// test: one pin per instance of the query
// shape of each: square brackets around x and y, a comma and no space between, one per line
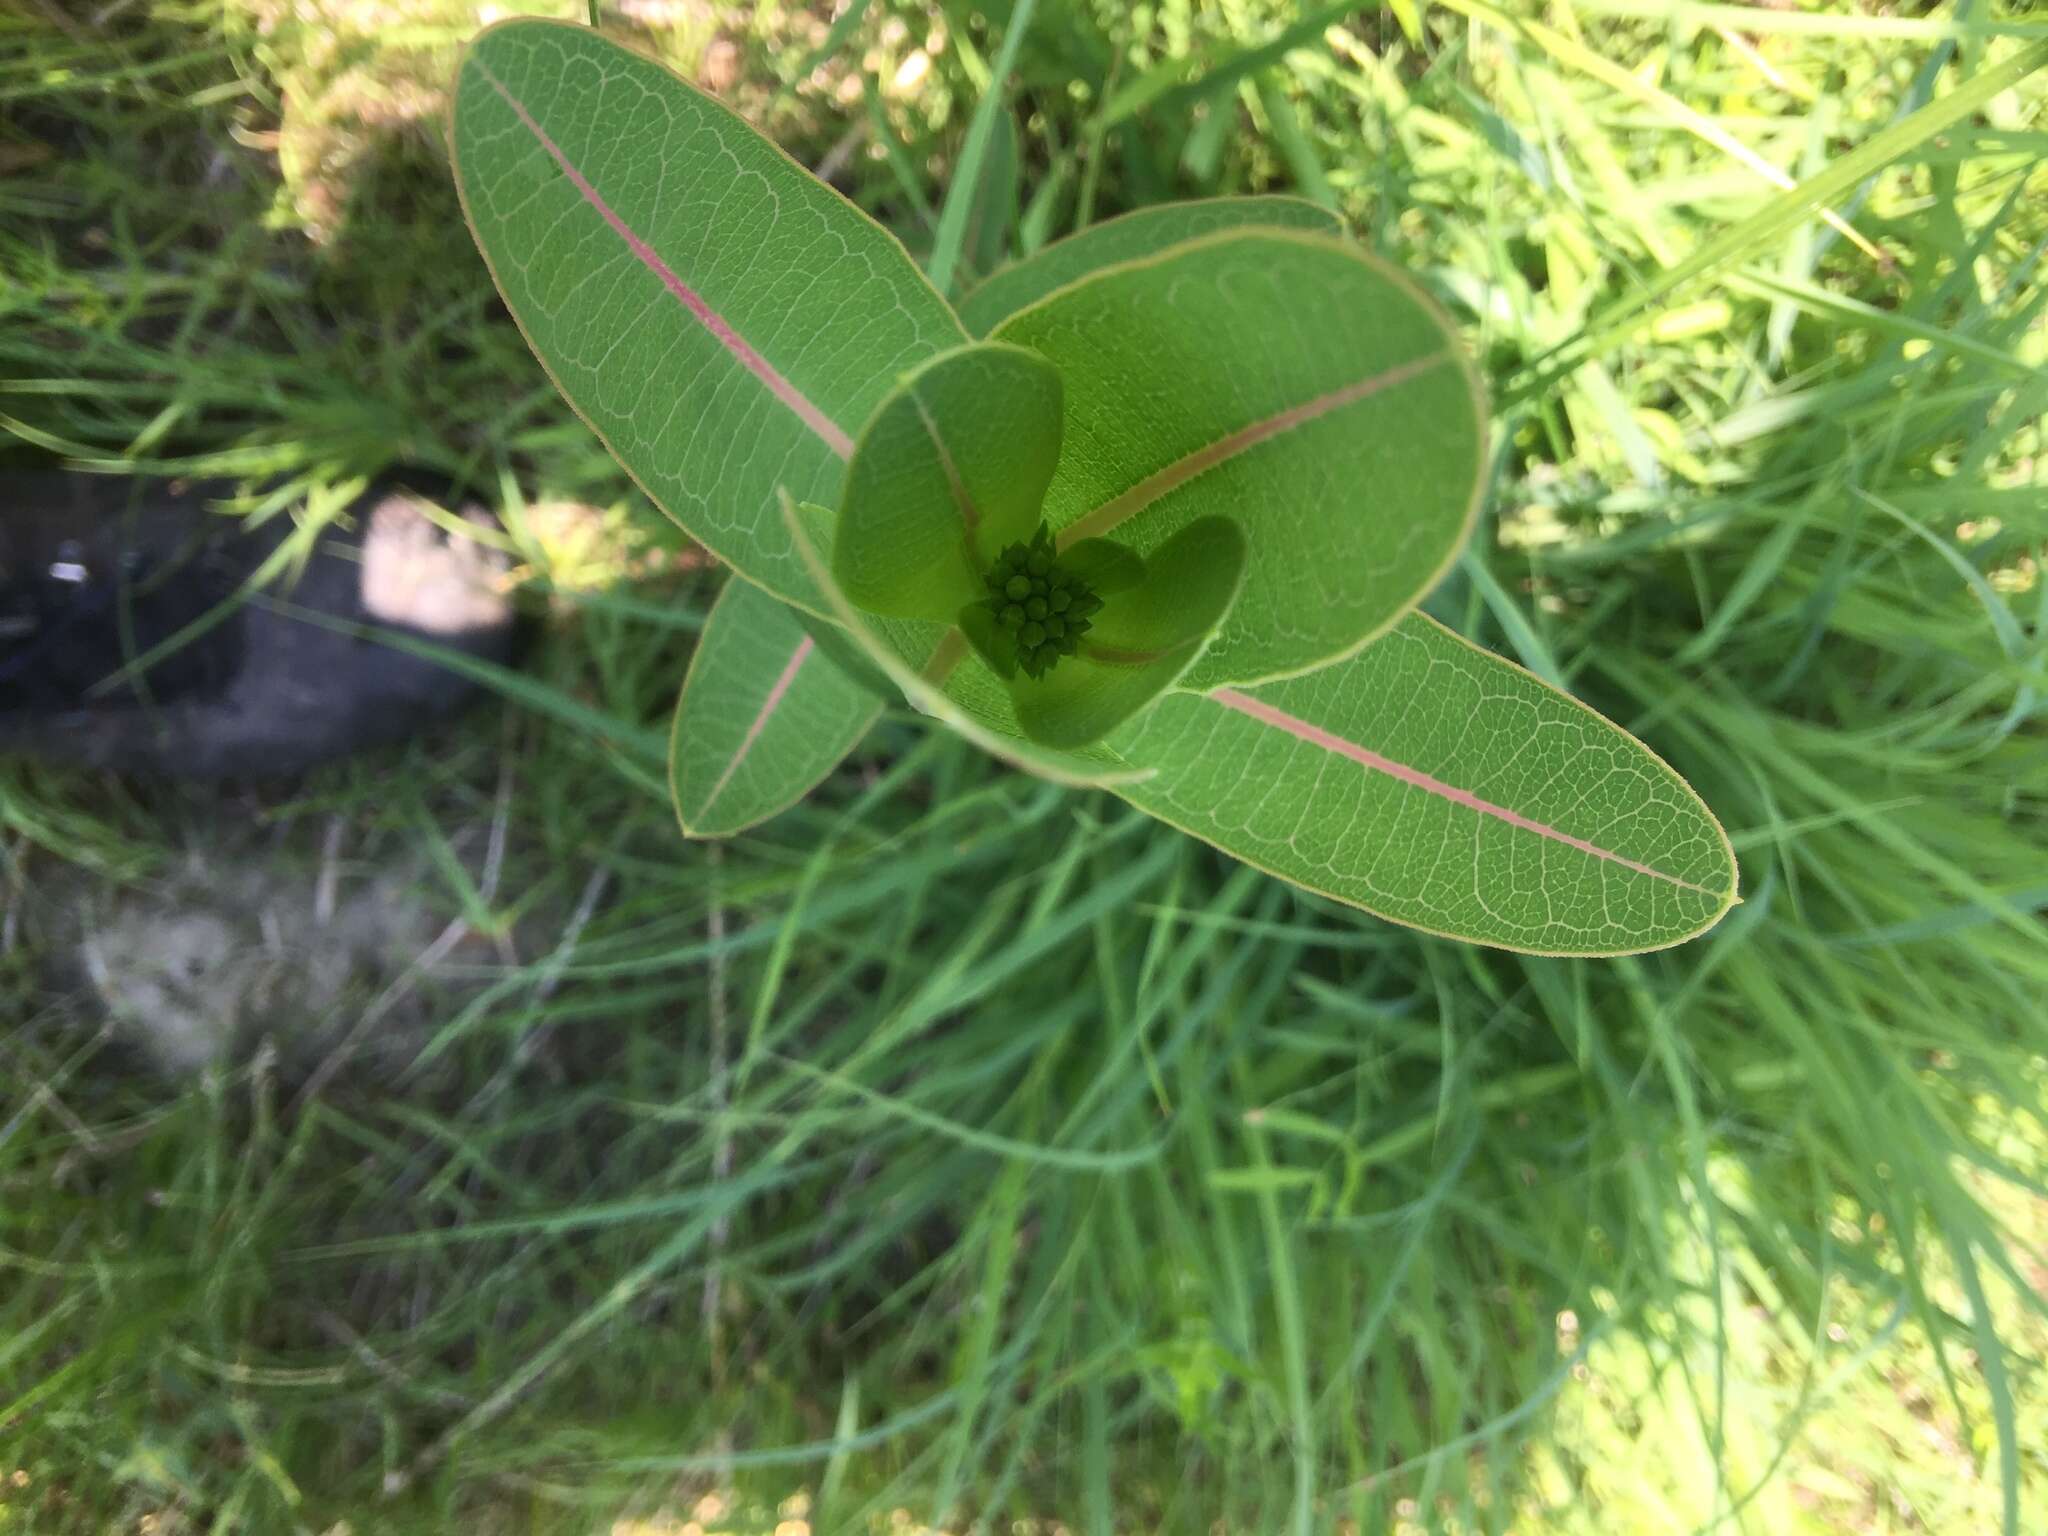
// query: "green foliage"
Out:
[1626,858]
[970,699]
[740,752]
[1134,236]
[716,377]
[1281,427]
[932,499]
[1037,609]
[959,1145]
[1288,381]
[1145,638]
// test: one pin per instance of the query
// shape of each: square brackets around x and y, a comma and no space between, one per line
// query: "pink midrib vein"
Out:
[1122,508]
[767,712]
[1140,496]
[1329,741]
[827,430]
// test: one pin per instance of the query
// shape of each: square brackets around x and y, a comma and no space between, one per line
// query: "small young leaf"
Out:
[1144,233]
[1142,640]
[1436,785]
[992,643]
[723,319]
[951,470]
[764,715]
[1107,567]
[910,654]
[1286,380]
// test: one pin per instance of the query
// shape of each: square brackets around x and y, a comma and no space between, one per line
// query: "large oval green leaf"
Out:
[764,715]
[1439,786]
[723,319]
[1128,238]
[1288,381]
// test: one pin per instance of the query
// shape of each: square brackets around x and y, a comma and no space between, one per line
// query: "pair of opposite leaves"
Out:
[721,318]
[942,519]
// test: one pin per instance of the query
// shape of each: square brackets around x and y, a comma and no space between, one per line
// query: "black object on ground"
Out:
[97,571]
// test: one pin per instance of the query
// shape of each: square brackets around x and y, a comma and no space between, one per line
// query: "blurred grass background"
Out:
[957,1151]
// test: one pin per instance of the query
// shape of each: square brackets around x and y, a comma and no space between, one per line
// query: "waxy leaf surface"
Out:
[729,326]
[917,656]
[1144,233]
[765,713]
[1435,784]
[1143,641]
[951,471]
[1290,382]
[724,320]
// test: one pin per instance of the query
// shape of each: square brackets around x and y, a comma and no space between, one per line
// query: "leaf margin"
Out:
[1338,229]
[930,699]
[452,140]
[734,584]
[1728,903]
[905,387]
[1458,358]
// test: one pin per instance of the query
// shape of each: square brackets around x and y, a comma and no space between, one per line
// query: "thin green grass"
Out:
[960,1146]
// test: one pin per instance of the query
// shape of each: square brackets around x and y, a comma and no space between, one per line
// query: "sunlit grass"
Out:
[958,1147]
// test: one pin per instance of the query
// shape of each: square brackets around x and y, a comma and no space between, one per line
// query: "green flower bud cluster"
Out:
[1043,609]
